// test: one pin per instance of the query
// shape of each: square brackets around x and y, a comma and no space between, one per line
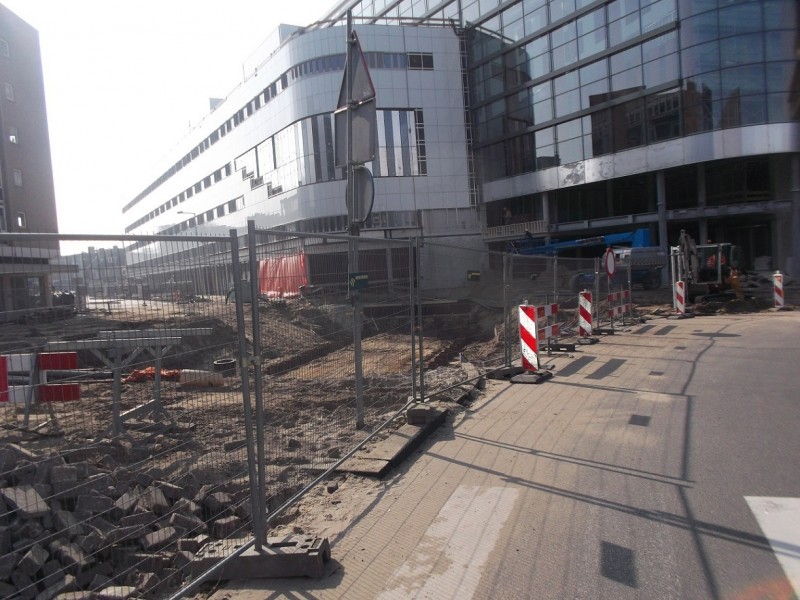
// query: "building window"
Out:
[22,222]
[419,61]
[9,91]
[13,135]
[17,178]
[4,48]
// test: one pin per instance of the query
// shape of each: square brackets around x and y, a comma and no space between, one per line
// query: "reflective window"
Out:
[535,20]
[545,149]
[661,70]
[597,134]
[780,14]
[699,29]
[623,61]
[620,8]
[593,72]
[519,110]
[700,59]
[781,44]
[660,46]
[740,18]
[742,80]
[623,29]
[658,14]
[742,49]
[565,55]
[627,81]
[694,7]
[566,82]
[628,125]
[563,34]
[663,116]
[515,30]
[780,76]
[541,96]
[567,103]
[591,21]
[594,93]
[561,8]
[591,43]
[780,108]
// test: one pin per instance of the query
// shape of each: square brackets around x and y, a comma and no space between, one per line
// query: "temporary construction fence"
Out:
[163,402]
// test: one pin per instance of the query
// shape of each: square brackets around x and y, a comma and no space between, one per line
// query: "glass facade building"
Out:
[595,115]
[580,117]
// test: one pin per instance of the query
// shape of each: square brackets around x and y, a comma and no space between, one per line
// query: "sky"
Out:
[124,82]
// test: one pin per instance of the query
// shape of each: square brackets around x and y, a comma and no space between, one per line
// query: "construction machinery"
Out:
[632,248]
[710,271]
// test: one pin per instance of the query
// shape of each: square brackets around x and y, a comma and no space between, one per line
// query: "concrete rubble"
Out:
[75,530]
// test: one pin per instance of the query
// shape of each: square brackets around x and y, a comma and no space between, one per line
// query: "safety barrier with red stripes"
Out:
[41,364]
[777,280]
[619,304]
[585,313]
[535,327]
[680,297]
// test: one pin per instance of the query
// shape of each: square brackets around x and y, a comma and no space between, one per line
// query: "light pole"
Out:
[194,214]
[194,220]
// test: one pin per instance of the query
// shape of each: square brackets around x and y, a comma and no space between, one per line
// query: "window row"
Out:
[323,64]
[580,37]
[303,153]
[651,119]
[191,191]
[645,66]
[652,62]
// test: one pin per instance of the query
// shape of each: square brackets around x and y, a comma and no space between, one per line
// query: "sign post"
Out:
[355,123]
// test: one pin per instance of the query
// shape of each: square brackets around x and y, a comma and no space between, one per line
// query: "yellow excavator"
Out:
[710,271]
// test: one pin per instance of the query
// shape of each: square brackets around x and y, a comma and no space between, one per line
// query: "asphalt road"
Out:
[661,463]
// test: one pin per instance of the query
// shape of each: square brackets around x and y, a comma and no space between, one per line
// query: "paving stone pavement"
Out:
[575,488]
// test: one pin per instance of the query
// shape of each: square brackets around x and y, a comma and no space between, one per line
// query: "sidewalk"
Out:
[575,488]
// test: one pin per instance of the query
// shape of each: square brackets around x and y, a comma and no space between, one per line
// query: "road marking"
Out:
[449,560]
[779,519]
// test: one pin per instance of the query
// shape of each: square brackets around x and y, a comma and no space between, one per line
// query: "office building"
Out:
[27,196]
[580,117]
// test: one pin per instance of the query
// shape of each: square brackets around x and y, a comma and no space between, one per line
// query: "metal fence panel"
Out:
[320,402]
[122,445]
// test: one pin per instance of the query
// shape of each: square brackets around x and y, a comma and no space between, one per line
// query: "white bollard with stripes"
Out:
[585,313]
[777,284]
[680,298]
[531,332]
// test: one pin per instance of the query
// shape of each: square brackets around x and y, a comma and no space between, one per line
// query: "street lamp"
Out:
[194,214]
[199,274]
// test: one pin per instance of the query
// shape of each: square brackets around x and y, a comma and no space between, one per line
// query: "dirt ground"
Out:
[307,361]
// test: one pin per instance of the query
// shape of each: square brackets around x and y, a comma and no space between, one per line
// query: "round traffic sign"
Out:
[608,262]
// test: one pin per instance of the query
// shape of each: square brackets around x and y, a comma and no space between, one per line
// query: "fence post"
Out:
[508,265]
[255,290]
[598,318]
[412,300]
[419,322]
[258,528]
[555,278]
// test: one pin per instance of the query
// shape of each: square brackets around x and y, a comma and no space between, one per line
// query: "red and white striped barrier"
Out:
[531,332]
[777,280]
[45,391]
[585,313]
[623,307]
[680,297]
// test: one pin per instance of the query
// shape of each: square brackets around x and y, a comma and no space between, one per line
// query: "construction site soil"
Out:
[295,339]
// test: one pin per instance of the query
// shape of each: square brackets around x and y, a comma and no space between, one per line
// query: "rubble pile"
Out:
[104,533]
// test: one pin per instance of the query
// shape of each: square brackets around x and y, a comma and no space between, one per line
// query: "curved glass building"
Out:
[579,117]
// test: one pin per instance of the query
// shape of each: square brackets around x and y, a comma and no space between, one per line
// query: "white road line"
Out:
[779,519]
[448,562]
